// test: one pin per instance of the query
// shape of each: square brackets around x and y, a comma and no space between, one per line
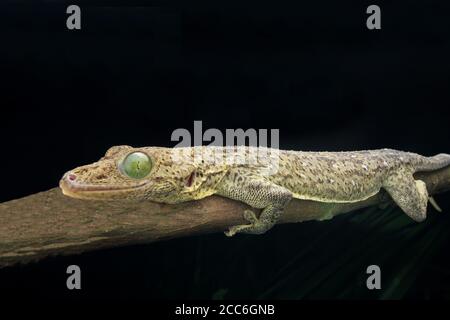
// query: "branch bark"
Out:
[48,223]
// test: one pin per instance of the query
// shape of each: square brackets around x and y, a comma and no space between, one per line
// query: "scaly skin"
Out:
[263,178]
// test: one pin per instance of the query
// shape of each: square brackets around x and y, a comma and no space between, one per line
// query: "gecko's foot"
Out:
[250,216]
[236,229]
[256,226]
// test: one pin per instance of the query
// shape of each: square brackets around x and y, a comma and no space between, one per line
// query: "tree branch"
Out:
[49,223]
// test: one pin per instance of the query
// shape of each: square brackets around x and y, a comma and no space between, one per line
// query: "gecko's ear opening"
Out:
[116,149]
[190,179]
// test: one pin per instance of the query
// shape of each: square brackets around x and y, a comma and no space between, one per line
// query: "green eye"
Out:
[137,165]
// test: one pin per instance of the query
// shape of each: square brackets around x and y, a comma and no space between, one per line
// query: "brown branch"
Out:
[49,223]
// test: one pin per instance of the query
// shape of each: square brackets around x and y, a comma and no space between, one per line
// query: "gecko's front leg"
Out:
[260,194]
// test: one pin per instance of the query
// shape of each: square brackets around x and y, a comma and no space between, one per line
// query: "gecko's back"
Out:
[338,176]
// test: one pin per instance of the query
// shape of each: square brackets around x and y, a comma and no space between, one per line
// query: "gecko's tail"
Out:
[436,162]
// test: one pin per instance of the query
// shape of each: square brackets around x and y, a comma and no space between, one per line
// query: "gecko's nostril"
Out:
[72,177]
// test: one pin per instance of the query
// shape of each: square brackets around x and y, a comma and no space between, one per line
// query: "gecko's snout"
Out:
[66,183]
[68,180]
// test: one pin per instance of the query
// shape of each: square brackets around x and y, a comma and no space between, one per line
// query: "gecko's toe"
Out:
[434,204]
[238,229]
[230,232]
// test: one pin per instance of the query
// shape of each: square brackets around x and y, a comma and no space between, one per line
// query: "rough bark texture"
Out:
[49,223]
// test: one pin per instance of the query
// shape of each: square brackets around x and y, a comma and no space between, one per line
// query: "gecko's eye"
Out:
[137,165]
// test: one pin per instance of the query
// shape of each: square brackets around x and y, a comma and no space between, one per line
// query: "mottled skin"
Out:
[263,178]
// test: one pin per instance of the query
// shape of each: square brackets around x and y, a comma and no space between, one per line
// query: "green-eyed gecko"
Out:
[263,178]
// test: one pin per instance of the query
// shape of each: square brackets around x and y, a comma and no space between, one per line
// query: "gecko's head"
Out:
[130,173]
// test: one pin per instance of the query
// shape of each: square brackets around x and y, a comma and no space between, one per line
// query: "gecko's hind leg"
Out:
[258,194]
[409,194]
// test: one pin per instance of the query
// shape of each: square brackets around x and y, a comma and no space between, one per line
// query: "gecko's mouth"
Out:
[78,190]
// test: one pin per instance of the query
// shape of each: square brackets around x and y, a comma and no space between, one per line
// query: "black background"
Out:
[138,70]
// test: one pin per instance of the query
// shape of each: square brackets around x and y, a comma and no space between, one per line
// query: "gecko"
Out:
[263,178]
